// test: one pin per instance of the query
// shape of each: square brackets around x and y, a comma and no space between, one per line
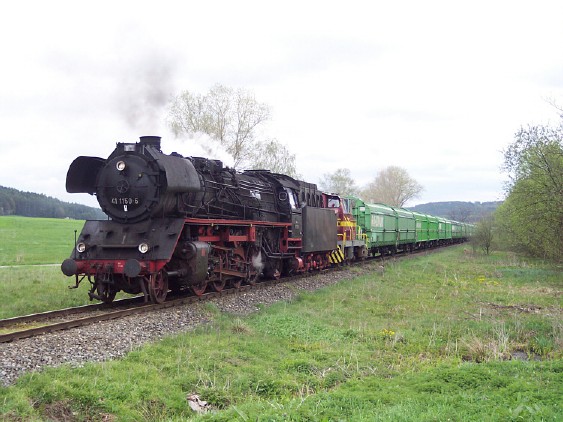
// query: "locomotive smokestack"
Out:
[153,141]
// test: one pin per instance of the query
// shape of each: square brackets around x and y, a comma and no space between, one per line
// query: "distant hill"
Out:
[470,212]
[27,204]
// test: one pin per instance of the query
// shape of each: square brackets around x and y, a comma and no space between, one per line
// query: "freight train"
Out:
[189,223]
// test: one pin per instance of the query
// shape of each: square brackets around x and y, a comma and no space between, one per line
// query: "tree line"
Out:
[27,204]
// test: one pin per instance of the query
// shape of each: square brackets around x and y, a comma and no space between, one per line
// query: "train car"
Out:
[351,245]
[178,223]
[385,229]
[458,232]
[448,231]
[422,230]
[468,231]
[433,231]
[441,230]
[406,229]
[378,224]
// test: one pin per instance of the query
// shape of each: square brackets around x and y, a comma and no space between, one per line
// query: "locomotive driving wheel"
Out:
[158,286]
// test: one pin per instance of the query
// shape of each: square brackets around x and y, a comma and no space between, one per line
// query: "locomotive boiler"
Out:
[177,223]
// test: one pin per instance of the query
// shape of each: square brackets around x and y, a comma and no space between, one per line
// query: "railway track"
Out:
[32,325]
[47,322]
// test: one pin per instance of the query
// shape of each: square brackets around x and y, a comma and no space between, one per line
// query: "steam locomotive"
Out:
[189,223]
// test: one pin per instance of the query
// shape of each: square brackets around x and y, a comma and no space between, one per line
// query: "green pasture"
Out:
[446,336]
[30,241]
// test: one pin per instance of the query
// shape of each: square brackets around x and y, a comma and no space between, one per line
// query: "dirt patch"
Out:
[59,411]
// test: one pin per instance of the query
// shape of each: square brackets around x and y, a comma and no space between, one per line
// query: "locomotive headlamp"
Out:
[143,247]
[81,247]
[120,165]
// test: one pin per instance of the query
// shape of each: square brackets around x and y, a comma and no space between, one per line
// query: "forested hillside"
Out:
[27,204]
[469,212]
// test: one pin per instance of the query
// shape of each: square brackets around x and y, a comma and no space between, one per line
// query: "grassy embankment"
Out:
[431,338]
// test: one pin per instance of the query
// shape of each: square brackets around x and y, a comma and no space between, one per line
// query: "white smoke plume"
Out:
[257,263]
[145,90]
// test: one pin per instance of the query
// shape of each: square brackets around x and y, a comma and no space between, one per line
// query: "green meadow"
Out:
[31,241]
[31,251]
[446,336]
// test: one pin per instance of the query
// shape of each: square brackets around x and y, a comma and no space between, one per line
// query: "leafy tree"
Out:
[231,118]
[274,156]
[339,182]
[531,217]
[392,186]
[483,236]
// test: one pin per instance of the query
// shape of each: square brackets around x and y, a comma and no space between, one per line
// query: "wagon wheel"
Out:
[236,282]
[158,286]
[199,288]
[105,292]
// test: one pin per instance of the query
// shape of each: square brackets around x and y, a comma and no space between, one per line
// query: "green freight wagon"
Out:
[432,231]
[406,228]
[441,230]
[468,230]
[448,231]
[386,229]
[457,232]
[377,223]
[421,229]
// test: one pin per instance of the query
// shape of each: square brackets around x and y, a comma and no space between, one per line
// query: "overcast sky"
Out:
[436,87]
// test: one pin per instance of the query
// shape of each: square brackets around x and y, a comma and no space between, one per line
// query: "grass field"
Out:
[30,241]
[448,336]
[31,251]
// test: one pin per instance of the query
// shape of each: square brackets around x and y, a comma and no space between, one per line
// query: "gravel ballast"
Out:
[112,339]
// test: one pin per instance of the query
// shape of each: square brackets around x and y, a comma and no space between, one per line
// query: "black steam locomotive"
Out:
[180,223]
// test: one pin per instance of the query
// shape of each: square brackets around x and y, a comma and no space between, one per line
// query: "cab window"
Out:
[333,202]
[292,197]
[346,206]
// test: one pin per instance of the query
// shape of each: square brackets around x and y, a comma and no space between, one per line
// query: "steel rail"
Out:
[80,322]
[42,316]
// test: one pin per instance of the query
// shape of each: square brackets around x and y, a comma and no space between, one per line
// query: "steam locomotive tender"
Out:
[179,223]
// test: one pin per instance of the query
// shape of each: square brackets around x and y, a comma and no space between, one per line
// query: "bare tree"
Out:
[460,213]
[340,182]
[392,186]
[274,156]
[231,118]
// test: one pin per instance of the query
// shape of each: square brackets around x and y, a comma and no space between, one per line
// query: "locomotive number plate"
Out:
[125,201]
